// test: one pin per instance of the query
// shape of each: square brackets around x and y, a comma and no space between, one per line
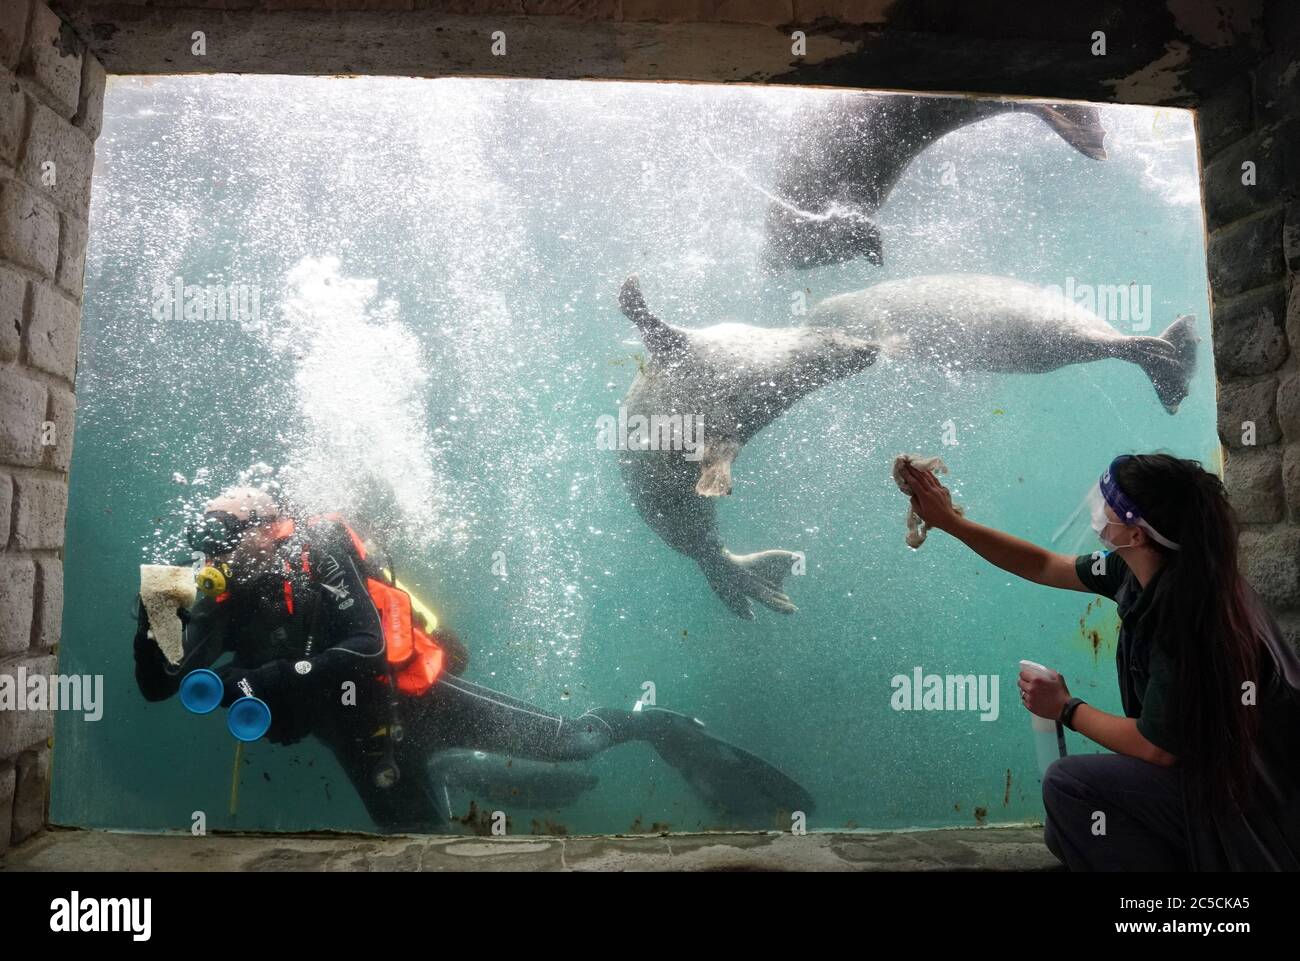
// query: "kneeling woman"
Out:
[1203,774]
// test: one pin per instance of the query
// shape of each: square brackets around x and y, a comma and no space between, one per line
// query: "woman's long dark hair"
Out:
[1205,622]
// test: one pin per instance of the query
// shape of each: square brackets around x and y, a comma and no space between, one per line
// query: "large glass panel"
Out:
[421,330]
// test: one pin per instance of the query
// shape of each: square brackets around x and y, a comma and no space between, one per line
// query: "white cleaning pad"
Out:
[163,589]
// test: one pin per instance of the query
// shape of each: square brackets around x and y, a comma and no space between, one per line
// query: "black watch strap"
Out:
[1067,712]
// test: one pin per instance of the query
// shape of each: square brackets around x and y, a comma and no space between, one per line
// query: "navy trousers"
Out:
[1108,812]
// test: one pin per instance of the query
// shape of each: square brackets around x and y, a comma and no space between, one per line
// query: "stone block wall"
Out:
[1250,153]
[51,94]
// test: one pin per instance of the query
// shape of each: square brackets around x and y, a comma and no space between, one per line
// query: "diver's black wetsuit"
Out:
[295,648]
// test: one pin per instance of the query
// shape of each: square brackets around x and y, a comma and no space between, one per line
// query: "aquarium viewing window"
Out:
[609,381]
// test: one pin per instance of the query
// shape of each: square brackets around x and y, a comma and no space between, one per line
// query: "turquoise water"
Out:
[437,264]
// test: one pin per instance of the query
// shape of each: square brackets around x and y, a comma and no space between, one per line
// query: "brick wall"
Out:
[51,94]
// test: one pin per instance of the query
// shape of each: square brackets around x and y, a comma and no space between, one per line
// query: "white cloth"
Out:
[916,528]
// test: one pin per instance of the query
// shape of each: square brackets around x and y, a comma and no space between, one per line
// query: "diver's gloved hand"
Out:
[141,623]
[264,682]
[157,677]
[290,722]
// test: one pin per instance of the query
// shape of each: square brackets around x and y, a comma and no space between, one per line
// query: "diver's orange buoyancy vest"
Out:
[415,657]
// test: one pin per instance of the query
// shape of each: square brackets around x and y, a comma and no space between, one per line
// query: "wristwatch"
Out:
[1067,712]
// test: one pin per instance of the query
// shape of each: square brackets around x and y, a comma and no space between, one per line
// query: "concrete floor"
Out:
[967,849]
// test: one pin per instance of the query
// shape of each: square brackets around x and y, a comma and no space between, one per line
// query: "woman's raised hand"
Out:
[930,499]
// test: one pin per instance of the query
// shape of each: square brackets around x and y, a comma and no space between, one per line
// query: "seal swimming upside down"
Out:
[978,322]
[736,379]
[844,160]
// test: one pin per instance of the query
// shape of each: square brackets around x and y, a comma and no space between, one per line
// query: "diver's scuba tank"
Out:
[385,772]
[214,579]
[383,740]
[386,737]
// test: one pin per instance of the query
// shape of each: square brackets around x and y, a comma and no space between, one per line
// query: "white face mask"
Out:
[1100,522]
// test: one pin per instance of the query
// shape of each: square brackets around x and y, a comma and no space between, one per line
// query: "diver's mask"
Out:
[216,534]
[1108,493]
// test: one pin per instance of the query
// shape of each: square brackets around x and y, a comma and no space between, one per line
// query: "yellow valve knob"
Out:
[211,581]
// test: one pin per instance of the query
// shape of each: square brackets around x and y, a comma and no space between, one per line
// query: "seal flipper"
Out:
[1169,360]
[659,337]
[715,469]
[1078,124]
[738,578]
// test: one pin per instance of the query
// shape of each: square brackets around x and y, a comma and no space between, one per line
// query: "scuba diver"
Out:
[322,632]
[1203,772]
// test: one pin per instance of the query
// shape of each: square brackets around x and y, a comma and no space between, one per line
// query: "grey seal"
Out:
[845,158]
[735,379]
[984,323]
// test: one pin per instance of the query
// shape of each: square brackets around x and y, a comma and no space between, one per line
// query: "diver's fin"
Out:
[659,337]
[438,791]
[732,780]
[738,578]
[1078,124]
[1169,360]
[715,469]
[456,777]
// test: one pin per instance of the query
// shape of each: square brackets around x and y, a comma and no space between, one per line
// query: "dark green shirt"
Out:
[1146,672]
[1264,835]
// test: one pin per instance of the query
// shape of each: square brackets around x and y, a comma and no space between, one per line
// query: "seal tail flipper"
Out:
[739,578]
[1169,360]
[658,336]
[1078,124]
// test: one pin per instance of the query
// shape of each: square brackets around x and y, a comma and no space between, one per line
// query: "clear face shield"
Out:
[1096,504]
[1108,494]
[1090,519]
